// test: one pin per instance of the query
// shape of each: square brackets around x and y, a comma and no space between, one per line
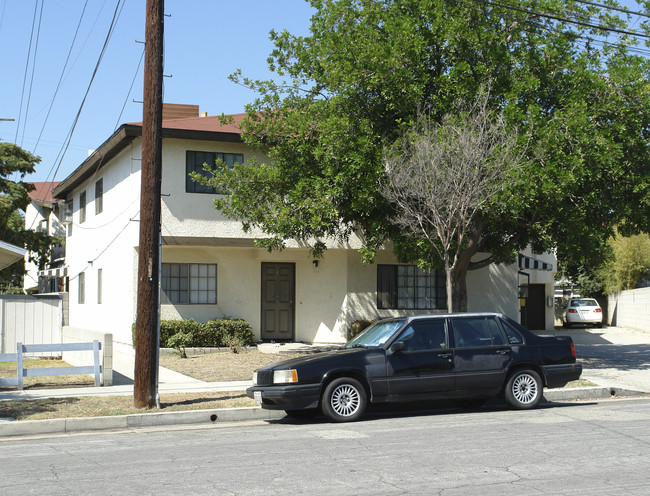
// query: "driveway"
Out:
[612,356]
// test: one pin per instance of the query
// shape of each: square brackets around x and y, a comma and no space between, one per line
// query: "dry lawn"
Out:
[101,406]
[222,366]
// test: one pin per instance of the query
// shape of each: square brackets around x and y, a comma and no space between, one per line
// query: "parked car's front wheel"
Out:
[524,389]
[344,400]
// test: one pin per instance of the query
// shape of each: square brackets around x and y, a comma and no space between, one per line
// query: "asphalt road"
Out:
[588,448]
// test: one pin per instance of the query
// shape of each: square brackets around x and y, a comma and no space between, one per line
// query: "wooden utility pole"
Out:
[146,341]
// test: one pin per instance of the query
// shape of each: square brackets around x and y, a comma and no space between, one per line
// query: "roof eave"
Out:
[122,137]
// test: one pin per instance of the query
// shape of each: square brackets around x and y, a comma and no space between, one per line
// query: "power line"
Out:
[564,20]
[31,82]
[58,86]
[29,53]
[76,119]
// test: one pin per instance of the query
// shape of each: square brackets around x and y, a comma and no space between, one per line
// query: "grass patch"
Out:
[580,383]
[102,406]
[8,369]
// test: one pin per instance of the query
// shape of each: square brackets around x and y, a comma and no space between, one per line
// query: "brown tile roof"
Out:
[211,124]
[43,191]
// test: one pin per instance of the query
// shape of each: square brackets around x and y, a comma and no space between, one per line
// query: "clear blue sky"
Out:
[205,41]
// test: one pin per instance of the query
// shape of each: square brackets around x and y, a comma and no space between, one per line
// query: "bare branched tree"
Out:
[440,174]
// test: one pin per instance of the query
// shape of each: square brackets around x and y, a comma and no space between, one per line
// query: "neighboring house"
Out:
[211,268]
[45,214]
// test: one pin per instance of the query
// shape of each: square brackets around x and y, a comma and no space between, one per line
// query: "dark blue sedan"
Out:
[469,357]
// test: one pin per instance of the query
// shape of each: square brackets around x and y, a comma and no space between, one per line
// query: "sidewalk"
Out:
[617,359]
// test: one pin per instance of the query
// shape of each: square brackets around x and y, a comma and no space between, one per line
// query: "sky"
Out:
[205,42]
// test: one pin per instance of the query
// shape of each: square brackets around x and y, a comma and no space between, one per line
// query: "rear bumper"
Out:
[298,397]
[560,375]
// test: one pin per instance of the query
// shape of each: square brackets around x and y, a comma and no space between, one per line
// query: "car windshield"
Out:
[375,335]
[584,303]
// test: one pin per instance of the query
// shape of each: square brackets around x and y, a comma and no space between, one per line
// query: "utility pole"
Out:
[146,340]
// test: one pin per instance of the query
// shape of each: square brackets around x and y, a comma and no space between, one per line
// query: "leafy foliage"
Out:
[359,79]
[629,264]
[15,164]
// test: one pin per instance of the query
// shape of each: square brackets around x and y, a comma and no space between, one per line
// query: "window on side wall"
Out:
[189,284]
[99,196]
[82,288]
[194,163]
[82,207]
[407,287]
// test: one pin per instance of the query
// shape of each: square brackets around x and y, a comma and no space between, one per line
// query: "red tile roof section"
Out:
[43,191]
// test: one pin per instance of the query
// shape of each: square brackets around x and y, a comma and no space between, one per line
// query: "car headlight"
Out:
[255,378]
[285,376]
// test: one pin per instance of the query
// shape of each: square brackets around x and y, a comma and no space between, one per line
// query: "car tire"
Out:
[566,325]
[344,400]
[307,414]
[524,390]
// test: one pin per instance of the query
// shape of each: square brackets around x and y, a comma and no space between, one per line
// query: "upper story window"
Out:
[99,196]
[194,163]
[82,207]
[408,287]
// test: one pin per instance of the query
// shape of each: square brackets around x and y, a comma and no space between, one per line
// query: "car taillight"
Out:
[572,310]
[597,310]
[573,350]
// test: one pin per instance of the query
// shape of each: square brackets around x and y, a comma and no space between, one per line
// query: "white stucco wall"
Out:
[107,241]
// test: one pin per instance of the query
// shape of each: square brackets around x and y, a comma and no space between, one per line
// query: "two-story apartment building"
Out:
[211,268]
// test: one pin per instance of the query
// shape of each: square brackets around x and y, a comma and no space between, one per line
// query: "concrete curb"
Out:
[134,421]
[215,416]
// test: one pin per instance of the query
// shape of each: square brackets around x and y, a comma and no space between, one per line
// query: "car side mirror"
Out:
[397,347]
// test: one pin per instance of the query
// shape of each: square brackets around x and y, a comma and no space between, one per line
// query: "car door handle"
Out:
[503,352]
[445,355]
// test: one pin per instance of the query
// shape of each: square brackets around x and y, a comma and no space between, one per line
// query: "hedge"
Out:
[214,333]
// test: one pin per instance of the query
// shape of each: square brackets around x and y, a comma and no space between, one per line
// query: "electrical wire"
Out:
[76,119]
[58,86]
[31,82]
[29,53]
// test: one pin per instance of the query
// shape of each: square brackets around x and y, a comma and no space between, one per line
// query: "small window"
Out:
[495,330]
[513,336]
[82,207]
[194,163]
[82,288]
[99,196]
[99,286]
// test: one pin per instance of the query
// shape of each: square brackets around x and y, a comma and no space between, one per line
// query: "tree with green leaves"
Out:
[629,263]
[347,92]
[15,164]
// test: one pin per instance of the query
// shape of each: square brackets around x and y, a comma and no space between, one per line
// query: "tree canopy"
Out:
[348,91]
[15,164]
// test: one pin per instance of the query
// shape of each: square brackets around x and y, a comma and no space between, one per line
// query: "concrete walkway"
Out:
[617,359]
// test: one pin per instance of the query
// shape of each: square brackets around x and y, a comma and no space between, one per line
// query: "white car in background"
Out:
[583,311]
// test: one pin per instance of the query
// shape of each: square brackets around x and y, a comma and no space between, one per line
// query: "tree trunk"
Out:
[459,288]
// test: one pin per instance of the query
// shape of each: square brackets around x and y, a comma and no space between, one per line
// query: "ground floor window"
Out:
[189,284]
[407,287]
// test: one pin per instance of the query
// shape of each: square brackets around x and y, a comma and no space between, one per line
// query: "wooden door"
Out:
[278,297]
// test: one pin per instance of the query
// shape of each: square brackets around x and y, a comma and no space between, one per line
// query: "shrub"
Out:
[214,333]
[356,327]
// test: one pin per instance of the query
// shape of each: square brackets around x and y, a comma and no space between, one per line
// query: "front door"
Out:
[278,296]
[535,307]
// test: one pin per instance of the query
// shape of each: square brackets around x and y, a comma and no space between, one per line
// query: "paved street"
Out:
[589,448]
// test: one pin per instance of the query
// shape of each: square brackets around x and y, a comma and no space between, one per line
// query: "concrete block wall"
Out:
[630,309]
[78,358]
